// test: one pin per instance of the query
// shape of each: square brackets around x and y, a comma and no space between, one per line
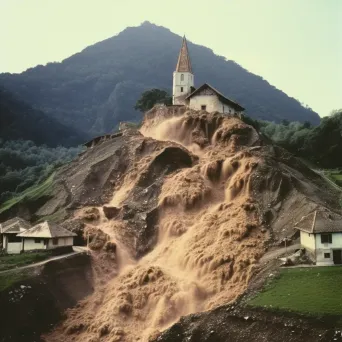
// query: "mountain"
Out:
[19,121]
[176,225]
[97,88]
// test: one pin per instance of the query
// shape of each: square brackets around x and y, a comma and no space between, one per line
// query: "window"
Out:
[326,238]
[181,89]
[36,240]
[55,241]
[203,107]
[326,255]
[13,238]
[182,77]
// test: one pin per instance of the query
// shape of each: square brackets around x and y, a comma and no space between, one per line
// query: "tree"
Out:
[151,97]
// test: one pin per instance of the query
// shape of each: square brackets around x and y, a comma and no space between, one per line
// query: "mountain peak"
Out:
[97,88]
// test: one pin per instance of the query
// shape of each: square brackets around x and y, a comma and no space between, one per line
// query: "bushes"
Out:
[23,164]
[322,145]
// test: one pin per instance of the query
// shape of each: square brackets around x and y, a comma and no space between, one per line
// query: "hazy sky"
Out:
[294,44]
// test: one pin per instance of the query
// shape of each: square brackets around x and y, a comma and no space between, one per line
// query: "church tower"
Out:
[183,78]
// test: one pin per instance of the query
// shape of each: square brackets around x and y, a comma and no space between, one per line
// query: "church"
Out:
[205,97]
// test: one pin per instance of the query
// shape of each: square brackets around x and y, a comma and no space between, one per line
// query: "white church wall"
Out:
[212,103]
[182,83]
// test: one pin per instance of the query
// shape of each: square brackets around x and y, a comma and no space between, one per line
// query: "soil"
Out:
[32,306]
[178,216]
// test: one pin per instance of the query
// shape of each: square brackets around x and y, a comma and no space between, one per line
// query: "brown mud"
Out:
[184,209]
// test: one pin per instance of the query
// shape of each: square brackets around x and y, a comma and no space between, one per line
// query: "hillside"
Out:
[19,121]
[178,216]
[97,88]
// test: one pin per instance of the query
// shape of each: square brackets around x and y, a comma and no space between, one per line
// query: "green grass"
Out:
[314,291]
[31,194]
[8,262]
[55,217]
[9,279]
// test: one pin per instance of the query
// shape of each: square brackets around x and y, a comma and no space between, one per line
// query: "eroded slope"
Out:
[187,206]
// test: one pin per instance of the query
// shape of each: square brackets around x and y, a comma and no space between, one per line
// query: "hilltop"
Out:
[97,88]
[19,121]
[178,215]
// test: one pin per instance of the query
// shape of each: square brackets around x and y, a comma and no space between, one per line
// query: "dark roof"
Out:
[321,220]
[101,138]
[46,230]
[184,63]
[222,98]
[14,225]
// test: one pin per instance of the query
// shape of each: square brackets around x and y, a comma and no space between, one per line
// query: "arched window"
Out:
[182,77]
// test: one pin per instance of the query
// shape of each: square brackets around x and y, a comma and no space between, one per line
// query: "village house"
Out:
[9,230]
[46,235]
[321,236]
[205,97]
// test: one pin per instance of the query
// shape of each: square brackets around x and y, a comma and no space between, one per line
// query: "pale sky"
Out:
[296,45]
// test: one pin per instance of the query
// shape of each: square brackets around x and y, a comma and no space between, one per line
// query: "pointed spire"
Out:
[184,63]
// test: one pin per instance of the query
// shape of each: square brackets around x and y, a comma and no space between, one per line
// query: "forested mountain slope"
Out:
[19,121]
[97,88]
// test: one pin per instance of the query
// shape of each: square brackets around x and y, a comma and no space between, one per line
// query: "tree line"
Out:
[23,164]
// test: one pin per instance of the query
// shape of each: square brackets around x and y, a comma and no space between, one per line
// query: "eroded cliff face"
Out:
[178,216]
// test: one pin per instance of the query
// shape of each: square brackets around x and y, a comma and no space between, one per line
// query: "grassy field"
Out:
[8,262]
[31,194]
[315,290]
[9,279]
[335,176]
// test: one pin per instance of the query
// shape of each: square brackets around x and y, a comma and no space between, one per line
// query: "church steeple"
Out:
[184,62]
[183,78]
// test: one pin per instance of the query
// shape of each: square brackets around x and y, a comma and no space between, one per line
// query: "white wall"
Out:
[65,241]
[212,102]
[30,244]
[178,83]
[321,248]
[11,247]
[307,240]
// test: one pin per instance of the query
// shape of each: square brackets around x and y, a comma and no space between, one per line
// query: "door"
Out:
[337,255]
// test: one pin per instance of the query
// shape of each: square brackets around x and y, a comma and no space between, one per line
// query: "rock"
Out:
[111,212]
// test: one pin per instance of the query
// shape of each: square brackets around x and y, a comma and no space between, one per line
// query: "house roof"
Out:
[184,63]
[14,226]
[222,98]
[321,220]
[46,230]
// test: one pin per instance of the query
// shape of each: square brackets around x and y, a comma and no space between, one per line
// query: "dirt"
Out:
[33,305]
[178,216]
[235,324]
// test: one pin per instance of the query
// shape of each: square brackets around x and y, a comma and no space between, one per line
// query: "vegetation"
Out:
[335,176]
[8,262]
[18,120]
[23,164]
[92,91]
[151,97]
[321,145]
[9,279]
[310,290]
[31,194]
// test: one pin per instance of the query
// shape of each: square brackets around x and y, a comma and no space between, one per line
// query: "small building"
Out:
[321,236]
[46,235]
[9,230]
[205,97]
[209,99]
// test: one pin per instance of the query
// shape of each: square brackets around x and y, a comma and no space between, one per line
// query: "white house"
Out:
[209,99]
[46,235]
[9,231]
[205,97]
[321,235]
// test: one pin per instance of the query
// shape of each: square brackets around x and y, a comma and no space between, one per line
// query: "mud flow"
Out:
[184,228]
